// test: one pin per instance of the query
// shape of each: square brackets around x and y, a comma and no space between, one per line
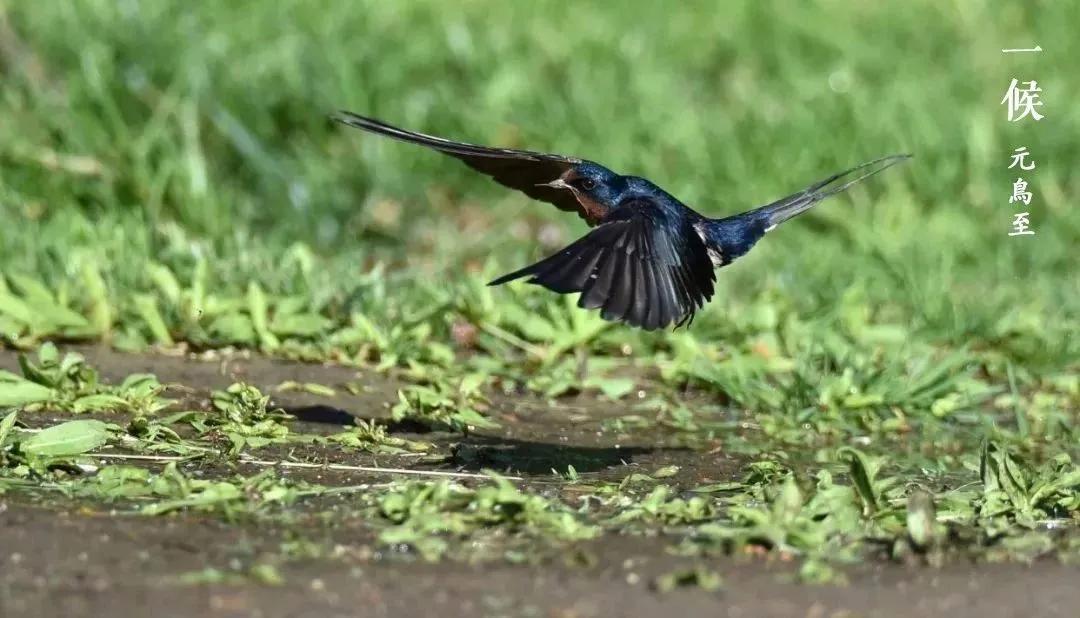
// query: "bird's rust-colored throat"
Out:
[594,211]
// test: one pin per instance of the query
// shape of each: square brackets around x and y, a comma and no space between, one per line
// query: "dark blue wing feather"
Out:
[635,267]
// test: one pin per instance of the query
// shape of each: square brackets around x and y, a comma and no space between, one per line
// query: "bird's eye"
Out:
[588,184]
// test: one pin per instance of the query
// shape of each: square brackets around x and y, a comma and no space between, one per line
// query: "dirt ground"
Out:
[65,559]
[70,564]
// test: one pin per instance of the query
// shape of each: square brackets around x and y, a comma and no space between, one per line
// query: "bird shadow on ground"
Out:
[321,415]
[524,456]
[536,454]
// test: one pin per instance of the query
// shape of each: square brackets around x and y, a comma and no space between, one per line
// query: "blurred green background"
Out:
[194,136]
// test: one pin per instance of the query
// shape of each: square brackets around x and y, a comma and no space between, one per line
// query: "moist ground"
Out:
[72,558]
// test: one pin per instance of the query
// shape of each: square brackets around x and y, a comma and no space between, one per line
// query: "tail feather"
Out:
[785,208]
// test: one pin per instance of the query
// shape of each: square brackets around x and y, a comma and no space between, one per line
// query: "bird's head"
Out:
[591,182]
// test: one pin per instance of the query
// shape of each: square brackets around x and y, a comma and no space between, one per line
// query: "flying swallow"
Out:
[650,260]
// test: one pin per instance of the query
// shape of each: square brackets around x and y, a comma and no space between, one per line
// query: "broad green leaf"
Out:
[258,310]
[33,291]
[665,472]
[308,387]
[119,481]
[100,402]
[788,502]
[612,388]
[210,495]
[16,391]
[140,382]
[48,354]
[101,313]
[66,439]
[862,477]
[471,383]
[14,308]
[147,307]
[44,304]
[5,427]
[921,518]
[290,305]
[299,325]
[718,487]
[10,328]
[165,281]
[233,328]
[473,418]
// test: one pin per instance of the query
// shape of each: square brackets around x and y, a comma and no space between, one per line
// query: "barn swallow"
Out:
[651,260]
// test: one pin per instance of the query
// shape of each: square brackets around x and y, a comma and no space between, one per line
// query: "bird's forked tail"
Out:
[785,208]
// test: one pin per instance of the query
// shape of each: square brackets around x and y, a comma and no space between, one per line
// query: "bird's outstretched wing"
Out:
[633,267]
[518,169]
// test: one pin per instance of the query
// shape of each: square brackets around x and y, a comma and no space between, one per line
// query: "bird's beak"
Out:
[558,183]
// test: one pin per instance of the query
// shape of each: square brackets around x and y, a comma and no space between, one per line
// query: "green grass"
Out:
[206,135]
[169,178]
[954,494]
